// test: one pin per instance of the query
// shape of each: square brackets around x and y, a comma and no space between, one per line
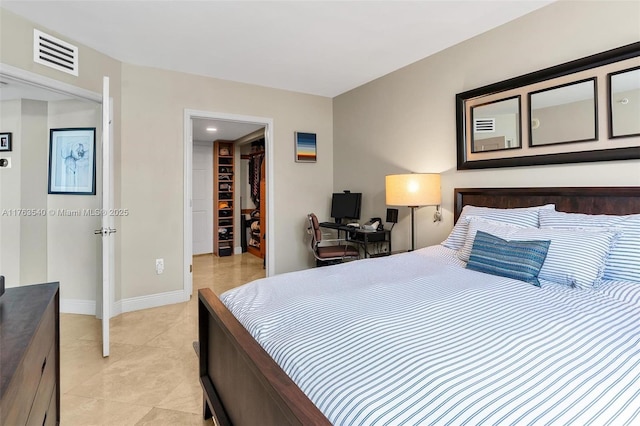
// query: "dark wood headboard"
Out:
[591,200]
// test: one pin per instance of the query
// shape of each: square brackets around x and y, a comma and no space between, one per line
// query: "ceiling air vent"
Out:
[55,53]
[484,125]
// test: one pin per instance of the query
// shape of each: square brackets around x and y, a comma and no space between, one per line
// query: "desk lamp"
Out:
[413,190]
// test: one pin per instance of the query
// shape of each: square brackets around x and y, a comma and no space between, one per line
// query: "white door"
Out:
[108,214]
[202,195]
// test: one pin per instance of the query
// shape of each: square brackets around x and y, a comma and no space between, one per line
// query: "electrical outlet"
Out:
[159,266]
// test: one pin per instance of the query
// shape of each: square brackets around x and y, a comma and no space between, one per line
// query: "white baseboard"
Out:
[151,301]
[77,306]
[88,307]
[237,250]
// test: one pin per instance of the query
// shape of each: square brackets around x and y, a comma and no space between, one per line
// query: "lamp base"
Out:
[413,227]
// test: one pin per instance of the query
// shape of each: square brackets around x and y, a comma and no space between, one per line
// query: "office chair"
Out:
[329,254]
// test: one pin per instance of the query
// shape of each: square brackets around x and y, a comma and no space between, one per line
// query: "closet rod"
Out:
[249,156]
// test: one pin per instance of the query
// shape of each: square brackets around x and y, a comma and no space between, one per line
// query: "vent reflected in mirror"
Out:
[496,125]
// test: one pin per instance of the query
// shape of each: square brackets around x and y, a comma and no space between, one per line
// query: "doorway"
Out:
[231,121]
[59,243]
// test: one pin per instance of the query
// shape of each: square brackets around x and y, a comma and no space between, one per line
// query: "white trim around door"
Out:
[48,83]
[189,115]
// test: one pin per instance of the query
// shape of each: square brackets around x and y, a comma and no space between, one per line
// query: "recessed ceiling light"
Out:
[211,129]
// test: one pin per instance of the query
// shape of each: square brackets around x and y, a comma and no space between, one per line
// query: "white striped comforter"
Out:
[417,339]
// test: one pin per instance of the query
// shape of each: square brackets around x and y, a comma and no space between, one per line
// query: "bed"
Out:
[415,340]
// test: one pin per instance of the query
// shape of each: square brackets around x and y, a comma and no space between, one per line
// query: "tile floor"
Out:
[151,376]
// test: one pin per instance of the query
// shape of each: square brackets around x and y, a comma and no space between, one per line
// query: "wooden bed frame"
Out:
[243,386]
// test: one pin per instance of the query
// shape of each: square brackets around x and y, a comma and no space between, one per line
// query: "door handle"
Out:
[104,231]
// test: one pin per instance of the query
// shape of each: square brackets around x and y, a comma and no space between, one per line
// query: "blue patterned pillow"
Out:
[499,229]
[520,260]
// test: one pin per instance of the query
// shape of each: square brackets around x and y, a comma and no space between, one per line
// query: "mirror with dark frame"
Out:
[538,149]
[624,103]
[496,125]
[563,114]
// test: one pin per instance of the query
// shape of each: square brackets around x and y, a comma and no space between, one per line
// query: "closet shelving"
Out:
[223,197]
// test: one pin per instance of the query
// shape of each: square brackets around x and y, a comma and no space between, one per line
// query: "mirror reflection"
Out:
[563,114]
[624,103]
[496,125]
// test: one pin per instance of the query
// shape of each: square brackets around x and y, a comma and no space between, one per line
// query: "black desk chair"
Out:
[329,254]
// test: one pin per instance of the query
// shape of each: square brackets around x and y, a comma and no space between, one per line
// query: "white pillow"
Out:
[477,223]
[624,260]
[525,217]
[575,257]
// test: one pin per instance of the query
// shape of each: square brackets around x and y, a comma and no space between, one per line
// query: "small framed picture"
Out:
[306,150]
[72,161]
[5,141]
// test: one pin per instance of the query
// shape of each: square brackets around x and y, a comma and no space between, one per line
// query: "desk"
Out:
[363,238]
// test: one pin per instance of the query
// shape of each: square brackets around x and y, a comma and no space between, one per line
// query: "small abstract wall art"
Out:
[306,148]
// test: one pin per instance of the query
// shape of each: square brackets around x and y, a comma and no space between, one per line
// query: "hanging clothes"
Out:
[255,165]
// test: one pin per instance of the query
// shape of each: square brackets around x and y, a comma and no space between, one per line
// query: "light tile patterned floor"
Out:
[151,376]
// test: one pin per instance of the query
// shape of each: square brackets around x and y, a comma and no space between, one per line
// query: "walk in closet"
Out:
[254,201]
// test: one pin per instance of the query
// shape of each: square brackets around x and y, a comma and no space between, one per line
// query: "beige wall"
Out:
[10,121]
[402,122]
[23,250]
[569,122]
[75,253]
[625,116]
[405,121]
[33,139]
[16,50]
[153,103]
[45,246]
[148,133]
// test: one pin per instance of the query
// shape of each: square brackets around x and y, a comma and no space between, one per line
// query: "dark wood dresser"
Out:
[30,355]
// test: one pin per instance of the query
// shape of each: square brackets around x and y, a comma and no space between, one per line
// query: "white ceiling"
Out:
[318,47]
[225,130]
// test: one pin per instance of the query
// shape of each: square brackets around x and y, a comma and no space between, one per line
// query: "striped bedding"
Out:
[624,291]
[416,339]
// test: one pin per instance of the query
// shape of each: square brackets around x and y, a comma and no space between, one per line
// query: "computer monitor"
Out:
[345,205]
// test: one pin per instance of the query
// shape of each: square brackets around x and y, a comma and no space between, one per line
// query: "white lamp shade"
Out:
[415,189]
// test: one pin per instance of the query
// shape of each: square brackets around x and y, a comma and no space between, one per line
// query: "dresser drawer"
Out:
[51,418]
[38,413]
[19,398]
